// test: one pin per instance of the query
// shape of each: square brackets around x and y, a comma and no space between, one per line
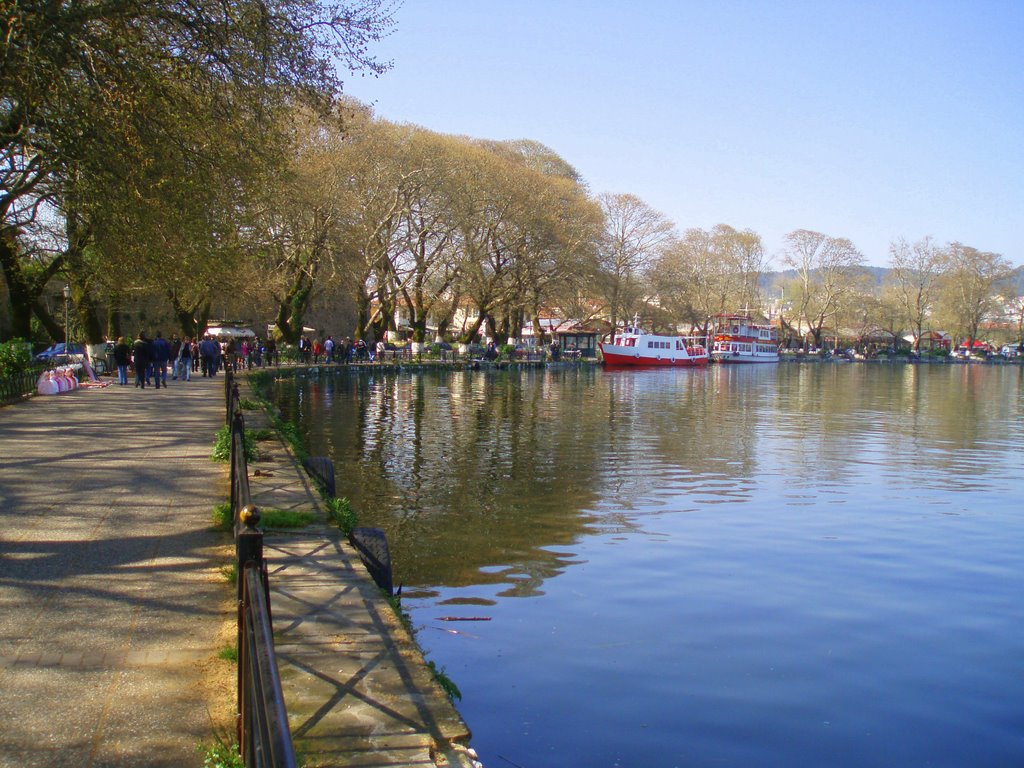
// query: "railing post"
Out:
[238,465]
[262,726]
[248,550]
[229,388]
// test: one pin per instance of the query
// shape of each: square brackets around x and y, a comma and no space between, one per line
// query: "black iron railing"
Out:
[20,384]
[263,735]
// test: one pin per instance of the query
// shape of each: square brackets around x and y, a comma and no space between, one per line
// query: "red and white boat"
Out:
[741,339]
[635,347]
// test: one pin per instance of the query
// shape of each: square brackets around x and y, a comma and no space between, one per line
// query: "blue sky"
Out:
[865,120]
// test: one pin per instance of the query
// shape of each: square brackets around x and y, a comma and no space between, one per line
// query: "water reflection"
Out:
[779,565]
[489,477]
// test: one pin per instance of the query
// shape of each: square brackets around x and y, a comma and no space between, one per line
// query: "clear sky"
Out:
[860,119]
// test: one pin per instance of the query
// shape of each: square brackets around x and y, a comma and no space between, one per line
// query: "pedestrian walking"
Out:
[209,351]
[184,359]
[175,350]
[140,358]
[160,354]
[122,357]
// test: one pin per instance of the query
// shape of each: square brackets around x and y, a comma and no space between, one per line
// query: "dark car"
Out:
[57,350]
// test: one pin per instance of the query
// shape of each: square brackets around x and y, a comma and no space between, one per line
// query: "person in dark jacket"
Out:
[122,356]
[140,357]
[160,353]
[210,352]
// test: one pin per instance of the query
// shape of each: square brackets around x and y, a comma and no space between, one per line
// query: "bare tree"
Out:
[634,235]
[915,274]
[826,269]
[706,273]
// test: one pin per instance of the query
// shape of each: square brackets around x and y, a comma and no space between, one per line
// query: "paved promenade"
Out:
[110,596]
[113,608]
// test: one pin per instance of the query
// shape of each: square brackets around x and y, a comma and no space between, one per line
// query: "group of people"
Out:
[252,353]
[330,351]
[150,359]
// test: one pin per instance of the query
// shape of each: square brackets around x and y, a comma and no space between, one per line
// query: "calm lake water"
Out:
[781,565]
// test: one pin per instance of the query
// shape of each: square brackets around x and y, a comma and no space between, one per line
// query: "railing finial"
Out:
[249,515]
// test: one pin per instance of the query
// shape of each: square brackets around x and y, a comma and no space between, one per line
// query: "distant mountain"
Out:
[879,274]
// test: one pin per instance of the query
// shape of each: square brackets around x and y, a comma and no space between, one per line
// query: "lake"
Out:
[802,564]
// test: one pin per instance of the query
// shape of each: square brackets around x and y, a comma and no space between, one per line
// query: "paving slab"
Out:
[111,600]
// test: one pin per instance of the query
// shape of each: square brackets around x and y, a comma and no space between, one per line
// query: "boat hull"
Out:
[727,358]
[630,356]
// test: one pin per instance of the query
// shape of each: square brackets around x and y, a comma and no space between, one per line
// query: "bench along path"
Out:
[356,687]
[110,595]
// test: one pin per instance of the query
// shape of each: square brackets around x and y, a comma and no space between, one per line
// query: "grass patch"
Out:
[230,573]
[222,445]
[250,405]
[289,431]
[228,653]
[447,684]
[286,518]
[395,601]
[341,514]
[223,518]
[221,754]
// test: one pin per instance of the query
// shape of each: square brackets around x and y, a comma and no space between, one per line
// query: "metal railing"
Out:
[263,735]
[19,385]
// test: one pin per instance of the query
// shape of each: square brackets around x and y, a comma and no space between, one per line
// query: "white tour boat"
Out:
[740,339]
[635,347]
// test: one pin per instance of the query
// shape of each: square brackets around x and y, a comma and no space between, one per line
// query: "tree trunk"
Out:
[442,328]
[19,290]
[52,327]
[419,330]
[292,309]
[362,315]
[88,312]
[113,322]
[186,316]
[467,336]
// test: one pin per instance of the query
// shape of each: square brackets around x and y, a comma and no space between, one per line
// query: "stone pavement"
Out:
[113,607]
[111,601]
[357,689]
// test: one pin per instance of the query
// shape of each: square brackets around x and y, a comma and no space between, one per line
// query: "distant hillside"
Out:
[768,279]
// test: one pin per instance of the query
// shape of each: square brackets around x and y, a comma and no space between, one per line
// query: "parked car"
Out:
[57,350]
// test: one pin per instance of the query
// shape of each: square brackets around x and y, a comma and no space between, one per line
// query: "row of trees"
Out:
[953,287]
[133,134]
[166,158]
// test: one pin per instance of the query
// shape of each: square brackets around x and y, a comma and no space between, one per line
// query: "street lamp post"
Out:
[67,300]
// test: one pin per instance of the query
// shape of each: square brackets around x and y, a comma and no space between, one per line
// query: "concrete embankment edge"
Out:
[357,688]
